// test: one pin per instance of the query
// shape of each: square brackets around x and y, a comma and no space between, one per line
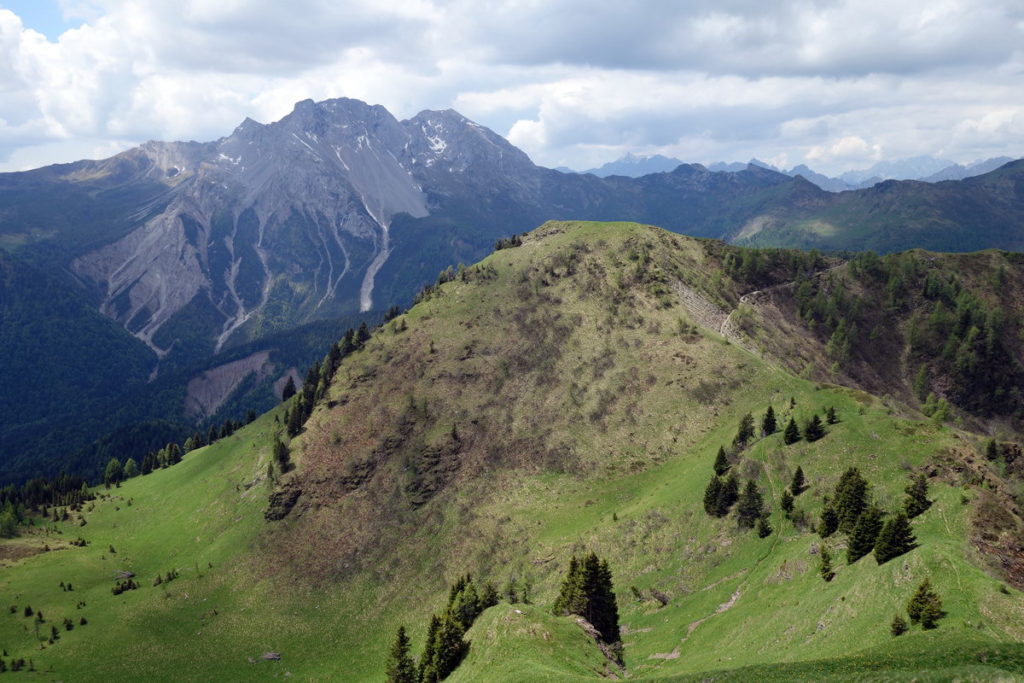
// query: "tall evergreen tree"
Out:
[925,603]
[764,527]
[745,431]
[792,433]
[895,539]
[362,335]
[851,497]
[721,462]
[289,389]
[280,455]
[768,423]
[991,450]
[401,668]
[427,659]
[917,496]
[814,429]
[865,533]
[825,568]
[787,502]
[798,484]
[728,494]
[711,496]
[829,523]
[588,592]
[750,506]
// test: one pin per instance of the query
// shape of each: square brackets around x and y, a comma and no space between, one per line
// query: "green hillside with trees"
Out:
[582,457]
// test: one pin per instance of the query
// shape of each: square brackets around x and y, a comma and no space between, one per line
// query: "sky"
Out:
[837,85]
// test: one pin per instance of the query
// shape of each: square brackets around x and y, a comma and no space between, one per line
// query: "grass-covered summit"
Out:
[566,395]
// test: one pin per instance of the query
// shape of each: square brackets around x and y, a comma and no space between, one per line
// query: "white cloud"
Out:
[572,82]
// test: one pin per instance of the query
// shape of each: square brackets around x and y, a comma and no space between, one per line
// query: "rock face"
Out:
[282,223]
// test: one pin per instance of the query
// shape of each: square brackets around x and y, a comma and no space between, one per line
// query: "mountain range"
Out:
[924,168]
[190,252]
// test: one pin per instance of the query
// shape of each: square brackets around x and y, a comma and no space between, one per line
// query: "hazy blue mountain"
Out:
[634,166]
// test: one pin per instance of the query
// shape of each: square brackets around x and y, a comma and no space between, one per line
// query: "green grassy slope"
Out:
[587,413]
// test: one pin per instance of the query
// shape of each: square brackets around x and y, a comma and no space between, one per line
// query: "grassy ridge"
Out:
[586,418]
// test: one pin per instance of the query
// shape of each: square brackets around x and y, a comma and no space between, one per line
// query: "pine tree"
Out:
[728,495]
[829,523]
[401,668]
[865,533]
[895,539]
[711,495]
[787,502]
[991,450]
[898,626]
[289,390]
[814,430]
[588,592]
[362,335]
[764,527]
[280,455]
[750,506]
[447,649]
[925,604]
[851,497]
[825,569]
[745,431]
[427,659]
[830,416]
[917,496]
[798,483]
[768,423]
[792,433]
[721,462]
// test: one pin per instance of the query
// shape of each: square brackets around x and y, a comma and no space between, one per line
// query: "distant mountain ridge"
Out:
[339,207]
[924,168]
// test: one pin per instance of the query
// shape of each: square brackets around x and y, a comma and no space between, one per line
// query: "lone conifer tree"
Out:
[750,506]
[830,416]
[898,626]
[798,484]
[768,423]
[917,496]
[792,433]
[826,565]
[786,503]
[711,495]
[764,527]
[401,668]
[814,429]
[991,450]
[721,462]
[745,431]
[865,533]
[925,604]
[289,390]
[895,538]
